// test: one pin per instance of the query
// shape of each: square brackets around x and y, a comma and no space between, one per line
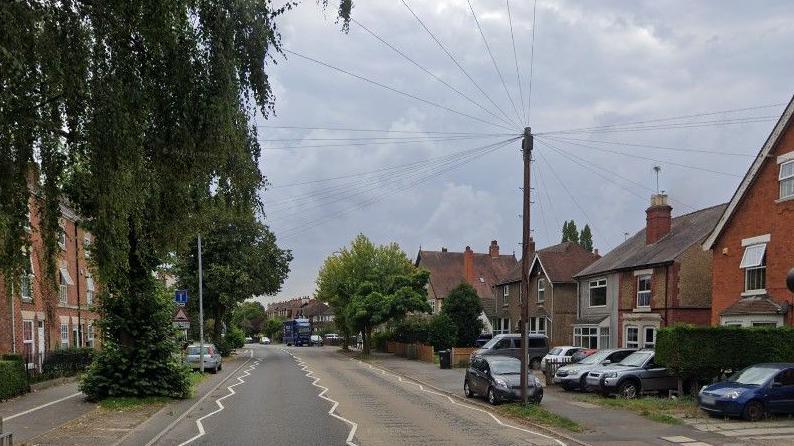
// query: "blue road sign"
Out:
[180,297]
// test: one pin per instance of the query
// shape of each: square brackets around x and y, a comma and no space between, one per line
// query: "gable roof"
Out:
[559,262]
[447,272]
[685,231]
[752,173]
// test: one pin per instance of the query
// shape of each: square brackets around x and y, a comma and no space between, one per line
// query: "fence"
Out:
[418,351]
[7,438]
[552,365]
[460,356]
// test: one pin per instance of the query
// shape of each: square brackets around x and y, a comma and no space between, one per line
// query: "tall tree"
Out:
[569,232]
[463,306]
[250,317]
[565,231]
[586,238]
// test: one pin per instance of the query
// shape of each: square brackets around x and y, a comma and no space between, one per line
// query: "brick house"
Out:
[42,315]
[552,291]
[753,241]
[480,270]
[320,315]
[289,309]
[658,277]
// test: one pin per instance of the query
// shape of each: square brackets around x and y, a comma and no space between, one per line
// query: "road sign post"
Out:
[180,297]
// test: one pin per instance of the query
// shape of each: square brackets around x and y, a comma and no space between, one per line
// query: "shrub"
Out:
[463,306]
[709,352]
[235,338]
[379,340]
[443,332]
[411,329]
[12,357]
[68,362]
[12,379]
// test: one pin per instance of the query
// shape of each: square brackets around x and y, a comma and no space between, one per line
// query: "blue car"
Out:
[752,393]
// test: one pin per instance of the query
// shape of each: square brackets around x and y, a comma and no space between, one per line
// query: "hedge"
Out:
[709,352]
[67,362]
[12,379]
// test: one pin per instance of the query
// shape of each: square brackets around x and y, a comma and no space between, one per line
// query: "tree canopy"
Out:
[463,306]
[583,238]
[250,317]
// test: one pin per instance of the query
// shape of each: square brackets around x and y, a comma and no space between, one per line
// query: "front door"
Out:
[40,339]
[780,396]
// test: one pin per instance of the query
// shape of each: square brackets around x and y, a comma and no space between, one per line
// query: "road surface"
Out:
[276,403]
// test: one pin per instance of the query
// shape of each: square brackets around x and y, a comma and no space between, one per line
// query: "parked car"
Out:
[212,359]
[510,345]
[483,339]
[574,376]
[559,354]
[498,378]
[333,339]
[581,354]
[264,340]
[249,339]
[316,340]
[752,392]
[635,374]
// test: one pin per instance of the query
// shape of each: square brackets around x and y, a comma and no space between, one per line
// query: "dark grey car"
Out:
[573,376]
[637,373]
[510,345]
[498,378]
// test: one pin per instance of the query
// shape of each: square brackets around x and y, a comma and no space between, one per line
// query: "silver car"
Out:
[212,359]
[574,376]
[635,374]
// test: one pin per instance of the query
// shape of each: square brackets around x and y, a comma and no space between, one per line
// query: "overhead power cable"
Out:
[515,58]
[386,138]
[531,62]
[493,60]
[430,73]
[460,67]
[374,143]
[394,90]
[429,132]
[677,125]
[650,146]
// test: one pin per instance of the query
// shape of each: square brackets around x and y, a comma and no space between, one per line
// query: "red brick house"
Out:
[41,315]
[753,241]
[289,309]
[480,270]
[656,278]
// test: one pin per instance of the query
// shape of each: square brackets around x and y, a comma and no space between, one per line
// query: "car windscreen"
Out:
[490,344]
[754,376]
[635,359]
[595,358]
[555,351]
[195,350]
[505,367]
[304,329]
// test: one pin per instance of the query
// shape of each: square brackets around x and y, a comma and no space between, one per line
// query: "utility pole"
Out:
[526,148]
[201,310]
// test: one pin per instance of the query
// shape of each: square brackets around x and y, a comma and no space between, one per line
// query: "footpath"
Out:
[602,426]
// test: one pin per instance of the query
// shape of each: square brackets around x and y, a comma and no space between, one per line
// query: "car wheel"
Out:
[629,390]
[220,367]
[566,387]
[583,383]
[492,397]
[467,390]
[534,364]
[753,411]
[214,370]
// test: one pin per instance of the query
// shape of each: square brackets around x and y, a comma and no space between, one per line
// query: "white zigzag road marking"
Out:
[202,432]
[310,374]
[452,400]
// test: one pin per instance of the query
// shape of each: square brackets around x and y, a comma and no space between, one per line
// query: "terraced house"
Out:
[43,314]
[656,278]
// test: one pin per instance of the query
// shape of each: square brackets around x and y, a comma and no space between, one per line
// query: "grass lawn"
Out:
[126,403]
[539,415]
[662,410]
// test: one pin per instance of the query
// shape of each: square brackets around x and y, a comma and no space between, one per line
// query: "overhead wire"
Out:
[515,58]
[430,73]
[394,90]
[680,125]
[531,63]
[373,143]
[460,67]
[539,201]
[342,129]
[651,146]
[493,60]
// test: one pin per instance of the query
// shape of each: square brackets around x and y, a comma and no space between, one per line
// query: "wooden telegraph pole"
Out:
[526,148]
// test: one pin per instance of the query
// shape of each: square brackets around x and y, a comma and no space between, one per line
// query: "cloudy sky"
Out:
[440,173]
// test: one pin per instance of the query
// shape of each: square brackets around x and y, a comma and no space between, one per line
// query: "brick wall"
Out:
[757,214]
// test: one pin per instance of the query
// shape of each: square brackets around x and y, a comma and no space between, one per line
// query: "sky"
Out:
[442,173]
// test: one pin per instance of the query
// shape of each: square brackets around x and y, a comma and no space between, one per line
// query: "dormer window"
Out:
[786,178]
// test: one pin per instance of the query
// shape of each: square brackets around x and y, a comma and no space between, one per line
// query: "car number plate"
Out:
[709,400]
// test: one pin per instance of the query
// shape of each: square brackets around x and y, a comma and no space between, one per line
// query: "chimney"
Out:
[493,250]
[595,251]
[468,265]
[443,249]
[658,219]
[531,247]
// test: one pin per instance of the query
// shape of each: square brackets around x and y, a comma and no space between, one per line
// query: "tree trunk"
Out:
[367,333]
[218,324]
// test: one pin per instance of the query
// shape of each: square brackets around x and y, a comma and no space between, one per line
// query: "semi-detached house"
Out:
[657,278]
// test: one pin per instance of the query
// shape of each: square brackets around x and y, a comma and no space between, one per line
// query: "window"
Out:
[89,290]
[502,326]
[89,336]
[585,336]
[598,292]
[63,289]
[754,265]
[604,337]
[785,378]
[505,295]
[764,324]
[537,325]
[649,340]
[64,335]
[27,341]
[87,246]
[787,179]
[62,238]
[644,291]
[541,290]
[632,337]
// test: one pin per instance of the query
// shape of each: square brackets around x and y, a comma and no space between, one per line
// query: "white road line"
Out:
[220,408]
[468,406]
[42,406]
[310,374]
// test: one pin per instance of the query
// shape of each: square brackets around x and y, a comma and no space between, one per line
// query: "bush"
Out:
[235,337]
[12,357]
[463,306]
[709,352]
[379,340]
[12,379]
[411,329]
[443,332]
[68,362]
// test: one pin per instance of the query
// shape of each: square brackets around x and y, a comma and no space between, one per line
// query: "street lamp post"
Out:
[201,309]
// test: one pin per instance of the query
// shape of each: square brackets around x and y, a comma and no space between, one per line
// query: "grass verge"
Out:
[661,410]
[539,415]
[126,403]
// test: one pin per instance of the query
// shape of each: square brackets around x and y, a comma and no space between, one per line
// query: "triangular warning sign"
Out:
[181,315]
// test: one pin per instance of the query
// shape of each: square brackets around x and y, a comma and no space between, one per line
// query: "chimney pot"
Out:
[468,265]
[595,251]
[443,249]
[658,219]
[493,250]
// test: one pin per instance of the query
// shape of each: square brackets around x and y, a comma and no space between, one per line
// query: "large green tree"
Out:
[463,306]
[138,112]
[250,317]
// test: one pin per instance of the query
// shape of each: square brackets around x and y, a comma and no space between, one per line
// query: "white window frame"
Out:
[541,289]
[634,344]
[643,293]
[89,290]
[534,325]
[505,295]
[64,338]
[62,238]
[89,335]
[28,346]
[645,343]
[599,284]
[786,181]
[754,265]
[63,289]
